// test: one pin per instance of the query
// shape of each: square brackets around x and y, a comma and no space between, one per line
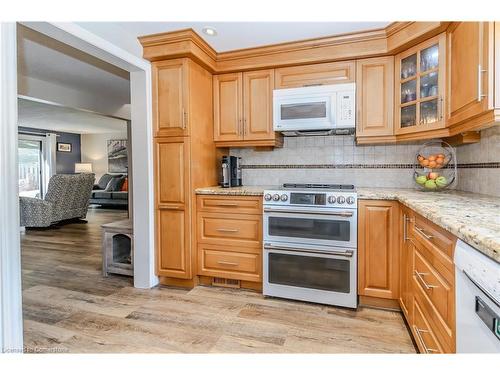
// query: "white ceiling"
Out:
[39,115]
[46,59]
[231,35]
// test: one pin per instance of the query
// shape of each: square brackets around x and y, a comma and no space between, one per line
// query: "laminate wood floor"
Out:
[69,306]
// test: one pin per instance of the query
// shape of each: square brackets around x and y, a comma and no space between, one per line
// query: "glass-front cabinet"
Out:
[420,87]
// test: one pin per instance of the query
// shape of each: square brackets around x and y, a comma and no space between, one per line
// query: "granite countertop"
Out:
[474,218]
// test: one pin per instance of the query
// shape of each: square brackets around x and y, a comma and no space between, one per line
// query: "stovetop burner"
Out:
[319,186]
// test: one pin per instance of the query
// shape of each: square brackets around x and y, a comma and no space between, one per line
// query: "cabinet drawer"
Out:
[433,237]
[223,261]
[230,204]
[425,337]
[440,293]
[230,229]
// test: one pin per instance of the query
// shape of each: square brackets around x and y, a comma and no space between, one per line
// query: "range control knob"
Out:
[284,197]
[331,199]
[268,197]
[276,197]
[341,200]
[350,200]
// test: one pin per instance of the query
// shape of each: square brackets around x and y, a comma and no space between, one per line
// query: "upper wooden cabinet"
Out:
[243,113]
[378,249]
[170,97]
[317,74]
[471,70]
[420,87]
[375,97]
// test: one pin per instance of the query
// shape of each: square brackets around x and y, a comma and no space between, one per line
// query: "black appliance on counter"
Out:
[230,174]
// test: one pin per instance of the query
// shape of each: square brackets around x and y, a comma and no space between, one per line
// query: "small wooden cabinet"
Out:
[375,98]
[407,250]
[317,74]
[229,237]
[243,113]
[170,97]
[420,87]
[378,249]
[473,49]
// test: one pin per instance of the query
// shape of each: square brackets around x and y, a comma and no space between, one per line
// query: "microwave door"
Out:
[316,113]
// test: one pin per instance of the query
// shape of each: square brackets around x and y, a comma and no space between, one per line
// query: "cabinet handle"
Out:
[227,263]
[244,127]
[480,72]
[184,118]
[225,230]
[227,204]
[406,220]
[419,332]
[420,276]
[440,108]
[240,126]
[421,231]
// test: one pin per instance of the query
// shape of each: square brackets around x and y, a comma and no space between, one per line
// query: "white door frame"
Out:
[142,161]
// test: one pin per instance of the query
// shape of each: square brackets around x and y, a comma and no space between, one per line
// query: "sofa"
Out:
[67,197]
[110,191]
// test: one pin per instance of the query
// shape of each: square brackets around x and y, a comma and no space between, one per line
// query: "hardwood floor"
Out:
[69,307]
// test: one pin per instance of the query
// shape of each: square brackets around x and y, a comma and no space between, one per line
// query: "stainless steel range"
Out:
[310,243]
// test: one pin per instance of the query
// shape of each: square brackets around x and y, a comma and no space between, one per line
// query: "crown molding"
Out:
[361,44]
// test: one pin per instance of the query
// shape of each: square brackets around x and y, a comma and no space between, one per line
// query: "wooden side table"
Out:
[118,248]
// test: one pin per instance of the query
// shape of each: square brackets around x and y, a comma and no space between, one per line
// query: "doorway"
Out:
[30,155]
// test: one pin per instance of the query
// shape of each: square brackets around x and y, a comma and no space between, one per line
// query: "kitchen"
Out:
[360,176]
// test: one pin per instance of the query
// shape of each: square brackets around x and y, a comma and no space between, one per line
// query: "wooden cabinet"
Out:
[243,113]
[185,158]
[473,49]
[420,87]
[229,237]
[375,98]
[378,249]
[170,97]
[317,74]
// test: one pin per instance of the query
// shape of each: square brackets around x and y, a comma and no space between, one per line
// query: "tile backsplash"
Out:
[481,172]
[330,159]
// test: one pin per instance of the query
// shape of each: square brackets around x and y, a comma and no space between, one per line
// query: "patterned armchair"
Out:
[67,197]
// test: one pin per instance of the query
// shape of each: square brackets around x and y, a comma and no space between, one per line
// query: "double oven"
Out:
[310,245]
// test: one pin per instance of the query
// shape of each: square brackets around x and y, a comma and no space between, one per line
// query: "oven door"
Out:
[310,274]
[327,227]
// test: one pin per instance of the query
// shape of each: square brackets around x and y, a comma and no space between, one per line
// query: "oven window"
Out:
[300,111]
[318,229]
[309,272]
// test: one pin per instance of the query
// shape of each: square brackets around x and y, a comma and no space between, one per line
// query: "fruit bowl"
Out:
[435,166]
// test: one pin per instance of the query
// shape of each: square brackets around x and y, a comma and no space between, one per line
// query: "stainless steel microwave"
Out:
[315,108]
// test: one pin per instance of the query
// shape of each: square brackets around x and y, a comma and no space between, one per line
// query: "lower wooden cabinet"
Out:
[378,249]
[406,264]
[229,237]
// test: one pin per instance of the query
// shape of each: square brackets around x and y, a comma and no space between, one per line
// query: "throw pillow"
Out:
[125,185]
[115,184]
[104,180]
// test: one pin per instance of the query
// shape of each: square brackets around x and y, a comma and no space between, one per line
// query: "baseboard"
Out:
[379,303]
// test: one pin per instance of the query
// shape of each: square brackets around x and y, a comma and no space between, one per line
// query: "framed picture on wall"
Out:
[117,156]
[63,147]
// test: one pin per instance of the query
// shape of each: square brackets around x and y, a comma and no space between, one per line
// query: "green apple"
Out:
[421,180]
[441,181]
[430,184]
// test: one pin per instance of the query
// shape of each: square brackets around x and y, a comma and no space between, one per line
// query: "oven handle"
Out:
[329,213]
[347,253]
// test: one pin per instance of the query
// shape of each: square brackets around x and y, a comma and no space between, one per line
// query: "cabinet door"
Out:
[375,96]
[378,249]
[170,97]
[406,265]
[420,87]
[228,107]
[258,105]
[470,89]
[317,74]
[172,207]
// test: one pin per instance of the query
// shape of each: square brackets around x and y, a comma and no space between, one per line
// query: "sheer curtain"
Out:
[49,157]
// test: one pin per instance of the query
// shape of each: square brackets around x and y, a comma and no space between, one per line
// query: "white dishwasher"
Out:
[477,301]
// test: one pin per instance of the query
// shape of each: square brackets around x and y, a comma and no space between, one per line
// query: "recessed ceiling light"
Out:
[210,31]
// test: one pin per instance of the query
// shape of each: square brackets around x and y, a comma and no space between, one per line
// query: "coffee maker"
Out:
[230,171]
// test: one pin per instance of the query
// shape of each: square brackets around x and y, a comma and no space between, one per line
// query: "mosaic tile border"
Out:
[361,166]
